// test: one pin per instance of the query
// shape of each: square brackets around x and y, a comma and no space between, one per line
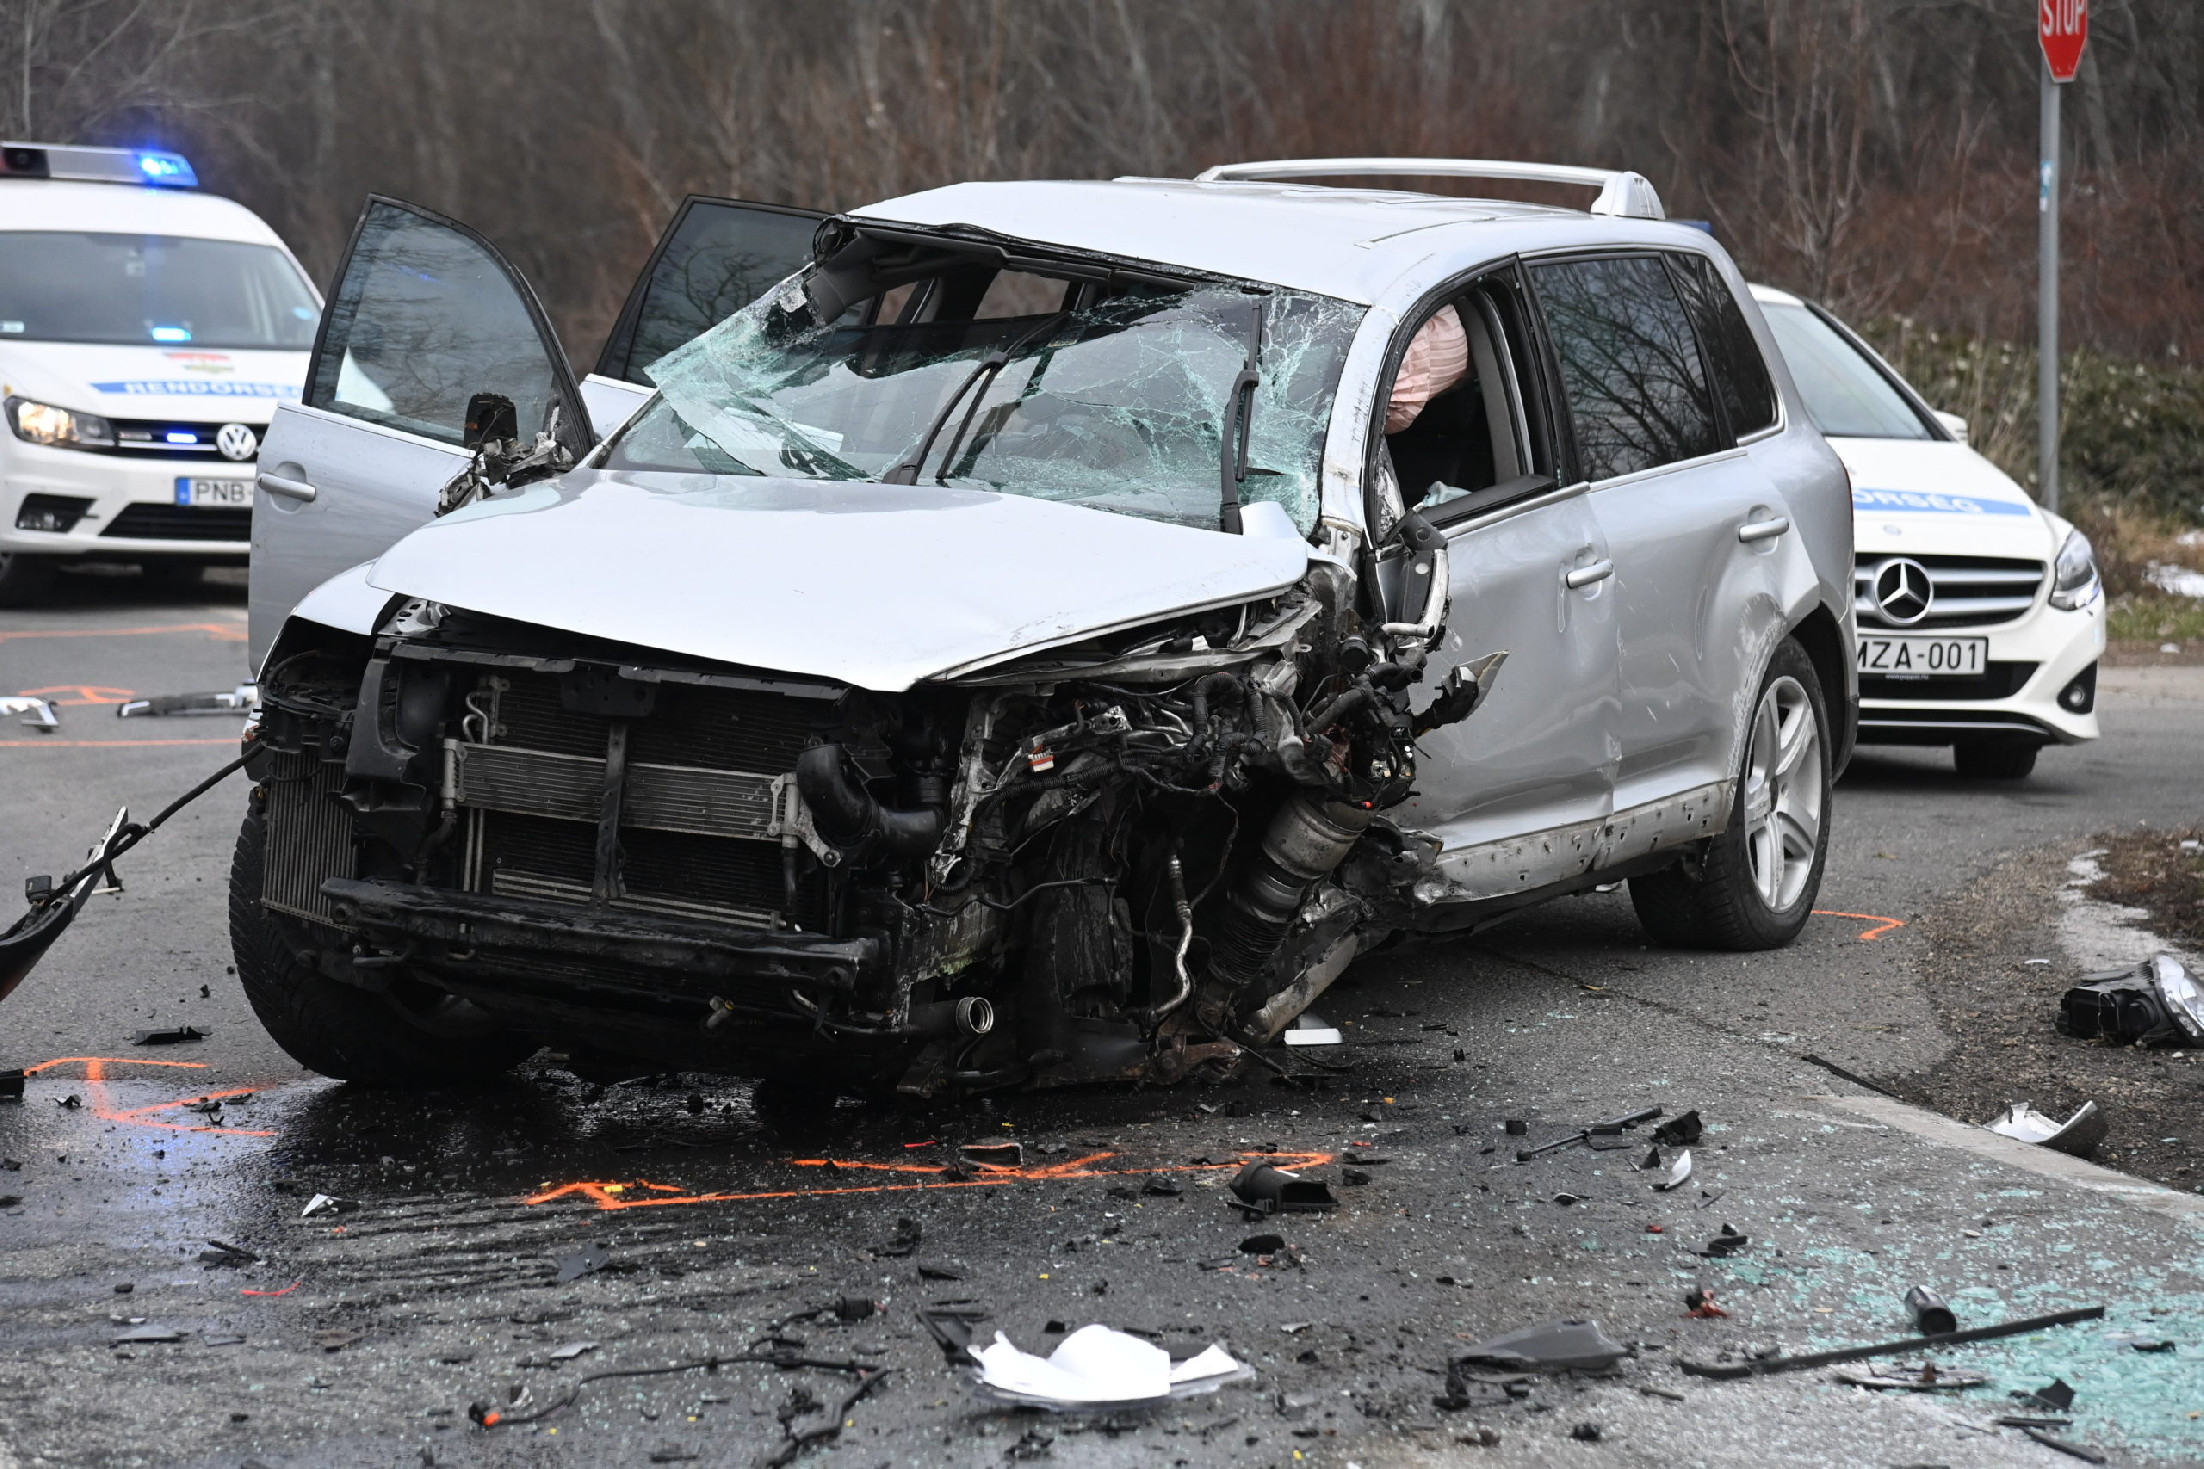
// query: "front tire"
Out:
[1753,887]
[404,1038]
[25,579]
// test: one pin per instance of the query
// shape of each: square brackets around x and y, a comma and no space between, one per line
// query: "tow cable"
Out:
[54,904]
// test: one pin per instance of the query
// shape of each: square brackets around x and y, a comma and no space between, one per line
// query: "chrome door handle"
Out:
[1584,576]
[1762,530]
[290,489]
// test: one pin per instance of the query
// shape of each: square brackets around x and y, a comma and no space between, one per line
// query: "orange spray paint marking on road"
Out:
[294,1285]
[1886,924]
[103,1107]
[86,693]
[220,631]
[923,1177]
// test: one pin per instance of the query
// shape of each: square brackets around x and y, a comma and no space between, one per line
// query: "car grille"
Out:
[1966,591]
[705,781]
[1996,681]
[147,438]
[150,522]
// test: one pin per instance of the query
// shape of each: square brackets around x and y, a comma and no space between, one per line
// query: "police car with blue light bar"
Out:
[147,331]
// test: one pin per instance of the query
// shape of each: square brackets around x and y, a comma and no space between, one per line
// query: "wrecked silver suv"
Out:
[1012,651]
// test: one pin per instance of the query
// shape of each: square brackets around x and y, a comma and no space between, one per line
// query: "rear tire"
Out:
[1994,759]
[1753,887]
[338,1029]
[25,579]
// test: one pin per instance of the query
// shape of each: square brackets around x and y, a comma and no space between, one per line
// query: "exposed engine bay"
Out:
[1123,859]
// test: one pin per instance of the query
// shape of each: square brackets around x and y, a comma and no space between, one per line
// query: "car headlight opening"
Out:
[2074,581]
[58,428]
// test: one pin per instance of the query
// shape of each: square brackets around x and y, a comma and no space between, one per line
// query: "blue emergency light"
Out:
[97,165]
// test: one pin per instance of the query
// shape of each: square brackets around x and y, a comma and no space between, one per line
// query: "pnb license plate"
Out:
[230,493]
[1925,657]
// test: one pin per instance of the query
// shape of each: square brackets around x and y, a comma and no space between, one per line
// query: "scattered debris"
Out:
[1611,1127]
[1587,1433]
[950,1325]
[1552,1346]
[2157,1003]
[2151,1344]
[1307,1030]
[1726,1244]
[2078,1136]
[1647,1389]
[1516,1127]
[1262,1244]
[2057,1398]
[587,1260]
[226,1255]
[173,1037]
[11,1085]
[1679,1173]
[1264,1189]
[2074,1450]
[1931,1313]
[1680,1131]
[138,1336]
[221,1339]
[327,1204]
[1727,1371]
[1700,1303]
[1927,1378]
[994,1155]
[1565,1198]
[572,1350]
[37,713]
[1098,1367]
[938,1272]
[337,1338]
[1162,1186]
[907,1236]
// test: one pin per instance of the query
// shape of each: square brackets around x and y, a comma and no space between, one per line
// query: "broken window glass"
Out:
[1115,403]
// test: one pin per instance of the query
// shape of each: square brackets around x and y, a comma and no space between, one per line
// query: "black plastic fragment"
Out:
[11,1086]
[908,1234]
[1516,1127]
[1552,1346]
[1931,1314]
[1726,1244]
[174,1036]
[588,1260]
[1268,1190]
[2058,1397]
[1680,1131]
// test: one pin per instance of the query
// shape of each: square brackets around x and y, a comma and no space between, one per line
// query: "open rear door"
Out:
[716,257]
[425,314]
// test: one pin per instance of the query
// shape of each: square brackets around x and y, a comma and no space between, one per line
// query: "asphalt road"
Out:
[362,1338]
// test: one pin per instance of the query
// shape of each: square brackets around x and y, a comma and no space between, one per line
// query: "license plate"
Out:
[230,493]
[1925,657]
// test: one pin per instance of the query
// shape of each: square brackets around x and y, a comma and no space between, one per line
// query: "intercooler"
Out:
[309,836]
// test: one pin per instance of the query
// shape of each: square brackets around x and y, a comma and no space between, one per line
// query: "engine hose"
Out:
[1185,911]
[847,816]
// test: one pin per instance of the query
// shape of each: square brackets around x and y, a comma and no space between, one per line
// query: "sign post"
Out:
[2062,29]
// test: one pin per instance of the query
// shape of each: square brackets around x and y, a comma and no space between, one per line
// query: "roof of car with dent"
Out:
[55,204]
[1349,243]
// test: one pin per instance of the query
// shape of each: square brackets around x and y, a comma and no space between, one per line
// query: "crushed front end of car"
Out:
[1117,860]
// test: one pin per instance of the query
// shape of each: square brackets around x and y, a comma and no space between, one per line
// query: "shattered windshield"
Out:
[1115,400]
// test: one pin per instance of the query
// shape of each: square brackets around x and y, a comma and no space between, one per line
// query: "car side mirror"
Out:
[1955,423]
[489,416]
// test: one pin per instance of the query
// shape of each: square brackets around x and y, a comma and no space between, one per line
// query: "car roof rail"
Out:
[1621,192]
[155,166]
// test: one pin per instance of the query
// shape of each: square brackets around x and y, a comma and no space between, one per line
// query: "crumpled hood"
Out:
[1932,497]
[180,383]
[880,586]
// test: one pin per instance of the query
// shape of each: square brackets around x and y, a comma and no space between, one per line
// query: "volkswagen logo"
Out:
[1902,591]
[237,442]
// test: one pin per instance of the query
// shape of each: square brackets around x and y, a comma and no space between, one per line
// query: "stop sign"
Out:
[2063,28]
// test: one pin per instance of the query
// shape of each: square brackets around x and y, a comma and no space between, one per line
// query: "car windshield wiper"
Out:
[1239,414]
[905,470]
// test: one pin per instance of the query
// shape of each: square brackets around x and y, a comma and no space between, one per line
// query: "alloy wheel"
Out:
[1783,793]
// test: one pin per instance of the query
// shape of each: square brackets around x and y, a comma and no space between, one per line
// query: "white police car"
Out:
[1981,615]
[147,332]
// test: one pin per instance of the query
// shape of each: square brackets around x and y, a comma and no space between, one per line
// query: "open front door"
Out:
[425,314]
[716,257]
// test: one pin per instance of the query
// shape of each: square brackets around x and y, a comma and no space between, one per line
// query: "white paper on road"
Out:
[1098,1365]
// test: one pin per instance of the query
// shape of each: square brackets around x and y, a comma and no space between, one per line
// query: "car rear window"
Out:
[1845,393]
[151,290]
[1741,378]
